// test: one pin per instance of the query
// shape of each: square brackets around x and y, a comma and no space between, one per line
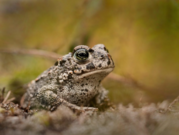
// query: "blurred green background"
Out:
[141,35]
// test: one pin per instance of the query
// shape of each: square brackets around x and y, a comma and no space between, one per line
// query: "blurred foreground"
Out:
[147,120]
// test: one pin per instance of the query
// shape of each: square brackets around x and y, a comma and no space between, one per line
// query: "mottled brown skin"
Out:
[71,81]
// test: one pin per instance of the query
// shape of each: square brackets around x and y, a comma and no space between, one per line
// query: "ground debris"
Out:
[123,120]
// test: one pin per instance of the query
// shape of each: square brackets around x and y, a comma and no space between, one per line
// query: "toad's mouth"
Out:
[101,71]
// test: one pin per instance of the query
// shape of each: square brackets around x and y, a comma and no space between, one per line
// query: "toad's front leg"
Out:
[47,98]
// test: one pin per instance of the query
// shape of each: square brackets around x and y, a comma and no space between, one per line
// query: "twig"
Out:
[11,99]
[125,80]
[3,91]
[122,79]
[7,96]
[2,94]
[173,105]
[130,82]
[49,55]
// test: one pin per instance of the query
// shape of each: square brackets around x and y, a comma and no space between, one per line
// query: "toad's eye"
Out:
[81,54]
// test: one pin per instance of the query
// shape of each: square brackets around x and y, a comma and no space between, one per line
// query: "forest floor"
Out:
[153,119]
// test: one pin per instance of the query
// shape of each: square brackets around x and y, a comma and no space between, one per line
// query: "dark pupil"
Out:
[82,54]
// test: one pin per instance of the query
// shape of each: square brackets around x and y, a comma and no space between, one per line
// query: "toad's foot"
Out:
[73,107]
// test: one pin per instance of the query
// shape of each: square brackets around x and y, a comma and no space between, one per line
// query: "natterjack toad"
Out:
[73,81]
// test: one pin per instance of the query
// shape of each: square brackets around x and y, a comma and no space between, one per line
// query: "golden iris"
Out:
[81,54]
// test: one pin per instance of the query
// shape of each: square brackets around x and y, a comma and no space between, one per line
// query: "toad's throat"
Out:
[105,71]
